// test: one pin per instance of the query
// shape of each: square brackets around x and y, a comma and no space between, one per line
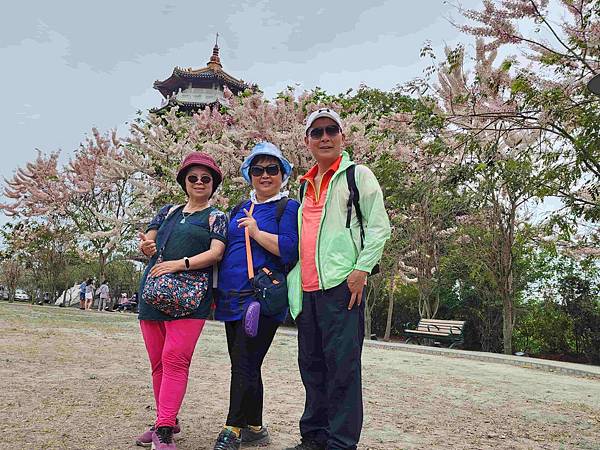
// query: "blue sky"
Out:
[70,66]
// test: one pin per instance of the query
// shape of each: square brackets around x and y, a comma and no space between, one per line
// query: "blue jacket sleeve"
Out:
[288,233]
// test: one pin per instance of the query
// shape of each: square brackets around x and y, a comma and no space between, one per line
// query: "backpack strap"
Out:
[281,205]
[302,191]
[236,209]
[353,200]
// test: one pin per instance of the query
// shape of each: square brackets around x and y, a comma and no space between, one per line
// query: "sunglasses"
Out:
[271,169]
[331,130]
[204,179]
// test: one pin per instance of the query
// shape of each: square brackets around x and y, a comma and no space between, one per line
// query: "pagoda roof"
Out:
[213,72]
[185,106]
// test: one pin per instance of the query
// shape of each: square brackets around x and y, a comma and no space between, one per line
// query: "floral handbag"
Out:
[175,294]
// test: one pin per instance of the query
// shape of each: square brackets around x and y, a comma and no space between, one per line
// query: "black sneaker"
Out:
[308,444]
[252,438]
[227,440]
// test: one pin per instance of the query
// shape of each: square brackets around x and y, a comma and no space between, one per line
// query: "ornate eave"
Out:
[205,77]
[185,106]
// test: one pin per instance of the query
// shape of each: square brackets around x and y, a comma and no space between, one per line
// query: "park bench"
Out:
[448,331]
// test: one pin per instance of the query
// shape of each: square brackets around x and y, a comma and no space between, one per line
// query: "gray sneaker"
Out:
[255,438]
[227,440]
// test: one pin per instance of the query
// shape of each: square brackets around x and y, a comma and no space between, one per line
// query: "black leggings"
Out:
[247,355]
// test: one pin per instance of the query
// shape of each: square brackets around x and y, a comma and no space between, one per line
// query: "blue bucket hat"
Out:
[267,149]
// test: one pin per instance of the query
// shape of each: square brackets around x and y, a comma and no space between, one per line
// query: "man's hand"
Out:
[356,283]
[250,223]
[146,246]
[167,267]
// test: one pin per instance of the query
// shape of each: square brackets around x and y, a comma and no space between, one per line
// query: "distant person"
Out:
[123,300]
[134,302]
[89,294]
[82,288]
[125,303]
[104,293]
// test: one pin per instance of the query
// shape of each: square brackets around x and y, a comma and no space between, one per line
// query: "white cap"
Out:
[322,112]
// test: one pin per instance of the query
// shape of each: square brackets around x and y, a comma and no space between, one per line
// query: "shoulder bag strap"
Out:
[249,249]
[169,227]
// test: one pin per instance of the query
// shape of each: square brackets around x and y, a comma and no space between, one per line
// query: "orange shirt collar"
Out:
[310,175]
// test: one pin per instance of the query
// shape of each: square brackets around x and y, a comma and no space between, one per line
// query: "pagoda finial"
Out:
[215,61]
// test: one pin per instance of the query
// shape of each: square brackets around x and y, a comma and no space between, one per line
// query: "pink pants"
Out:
[170,347]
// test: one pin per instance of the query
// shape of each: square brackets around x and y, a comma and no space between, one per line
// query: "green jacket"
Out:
[338,250]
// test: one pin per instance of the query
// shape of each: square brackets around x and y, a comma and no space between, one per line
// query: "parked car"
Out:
[3,293]
[20,294]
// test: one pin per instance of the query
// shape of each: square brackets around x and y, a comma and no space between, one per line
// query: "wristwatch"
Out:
[186,261]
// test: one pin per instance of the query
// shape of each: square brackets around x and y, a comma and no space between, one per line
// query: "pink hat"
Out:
[200,159]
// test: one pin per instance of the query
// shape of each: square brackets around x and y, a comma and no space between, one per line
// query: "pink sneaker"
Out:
[145,439]
[162,439]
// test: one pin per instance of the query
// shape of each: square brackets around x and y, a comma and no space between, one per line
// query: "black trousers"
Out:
[330,342]
[247,355]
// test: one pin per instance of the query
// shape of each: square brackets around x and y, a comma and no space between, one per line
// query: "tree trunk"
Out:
[367,322]
[388,325]
[507,325]
[506,281]
[102,266]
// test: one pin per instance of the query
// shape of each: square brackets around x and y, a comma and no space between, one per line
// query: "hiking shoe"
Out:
[162,439]
[227,440]
[308,444]
[145,439]
[252,438]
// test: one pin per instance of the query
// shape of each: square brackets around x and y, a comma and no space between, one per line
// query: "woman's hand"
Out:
[167,267]
[250,223]
[147,246]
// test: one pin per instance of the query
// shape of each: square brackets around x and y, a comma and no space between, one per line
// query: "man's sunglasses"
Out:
[271,169]
[331,130]
[205,179]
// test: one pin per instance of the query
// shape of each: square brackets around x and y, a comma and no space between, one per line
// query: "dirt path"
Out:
[77,380]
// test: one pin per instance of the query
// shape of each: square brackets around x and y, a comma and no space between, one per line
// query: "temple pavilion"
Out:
[194,89]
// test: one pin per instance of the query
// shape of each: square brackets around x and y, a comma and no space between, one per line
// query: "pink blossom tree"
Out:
[94,193]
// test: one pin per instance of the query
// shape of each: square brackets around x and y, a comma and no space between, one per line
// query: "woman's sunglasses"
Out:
[331,130]
[271,169]
[205,179]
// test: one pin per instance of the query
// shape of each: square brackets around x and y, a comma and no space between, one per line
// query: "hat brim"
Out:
[245,169]
[320,116]
[217,179]
[594,85]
